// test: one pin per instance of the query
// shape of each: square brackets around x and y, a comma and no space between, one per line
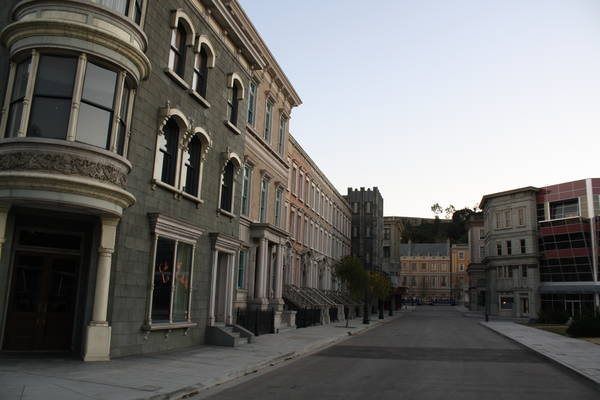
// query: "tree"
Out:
[437,209]
[353,276]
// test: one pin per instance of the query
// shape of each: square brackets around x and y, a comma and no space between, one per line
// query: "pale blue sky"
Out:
[441,100]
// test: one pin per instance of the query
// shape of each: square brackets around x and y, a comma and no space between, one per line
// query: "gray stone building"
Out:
[367,226]
[476,268]
[120,186]
[511,252]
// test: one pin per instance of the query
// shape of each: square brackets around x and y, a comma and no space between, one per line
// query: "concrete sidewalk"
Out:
[169,375]
[578,355]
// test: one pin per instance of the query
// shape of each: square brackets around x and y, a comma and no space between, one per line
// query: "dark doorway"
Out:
[42,305]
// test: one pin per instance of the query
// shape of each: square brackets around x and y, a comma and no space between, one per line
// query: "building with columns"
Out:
[264,238]
[124,131]
[318,221]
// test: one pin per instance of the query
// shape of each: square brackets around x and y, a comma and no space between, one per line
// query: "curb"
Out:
[193,390]
[547,356]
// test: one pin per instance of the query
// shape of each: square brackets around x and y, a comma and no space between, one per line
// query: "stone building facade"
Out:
[475,268]
[459,279]
[425,271]
[318,221]
[511,252]
[367,226]
[265,241]
[125,138]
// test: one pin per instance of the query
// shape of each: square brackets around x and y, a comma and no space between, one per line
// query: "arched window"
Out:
[191,167]
[235,93]
[168,152]
[201,72]
[227,187]
[177,52]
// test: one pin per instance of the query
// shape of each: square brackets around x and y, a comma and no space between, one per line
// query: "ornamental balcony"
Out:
[111,32]
[48,172]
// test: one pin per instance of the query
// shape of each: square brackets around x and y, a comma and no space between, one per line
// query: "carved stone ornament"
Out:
[65,164]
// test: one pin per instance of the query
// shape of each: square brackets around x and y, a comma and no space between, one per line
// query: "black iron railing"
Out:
[257,321]
[308,317]
[333,314]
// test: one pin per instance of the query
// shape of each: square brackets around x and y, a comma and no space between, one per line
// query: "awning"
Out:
[573,288]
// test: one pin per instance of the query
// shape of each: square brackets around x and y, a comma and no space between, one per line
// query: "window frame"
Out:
[269,104]
[180,232]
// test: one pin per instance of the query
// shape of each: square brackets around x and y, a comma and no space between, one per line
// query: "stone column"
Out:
[4,209]
[261,269]
[213,288]
[277,300]
[97,345]
[229,294]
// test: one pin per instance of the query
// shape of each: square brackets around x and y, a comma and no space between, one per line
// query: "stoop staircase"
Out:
[228,335]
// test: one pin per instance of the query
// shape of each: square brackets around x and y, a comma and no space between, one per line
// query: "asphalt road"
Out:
[432,353]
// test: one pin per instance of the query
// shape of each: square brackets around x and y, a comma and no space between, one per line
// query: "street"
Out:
[432,353]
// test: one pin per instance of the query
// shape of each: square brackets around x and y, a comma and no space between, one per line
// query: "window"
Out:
[413,266]
[264,187]
[242,269]
[498,248]
[355,208]
[507,218]
[423,267]
[292,223]
[172,277]
[294,180]
[100,95]
[481,233]
[233,97]
[268,120]
[132,9]
[191,167]
[524,271]
[282,125]
[481,251]
[506,303]
[443,284]
[368,207]
[247,178]
[386,251]
[461,267]
[251,117]
[386,233]
[278,197]
[509,247]
[96,108]
[299,228]
[22,72]
[521,216]
[354,231]
[199,81]
[368,231]
[52,97]
[177,50]
[168,152]
[461,255]
[227,184]
[523,246]
[301,186]
[564,209]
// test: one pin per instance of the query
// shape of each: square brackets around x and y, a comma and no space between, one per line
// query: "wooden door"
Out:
[42,302]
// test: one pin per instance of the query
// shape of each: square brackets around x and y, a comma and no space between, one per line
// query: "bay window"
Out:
[68,98]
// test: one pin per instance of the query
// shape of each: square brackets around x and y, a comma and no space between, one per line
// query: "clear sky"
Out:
[441,100]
